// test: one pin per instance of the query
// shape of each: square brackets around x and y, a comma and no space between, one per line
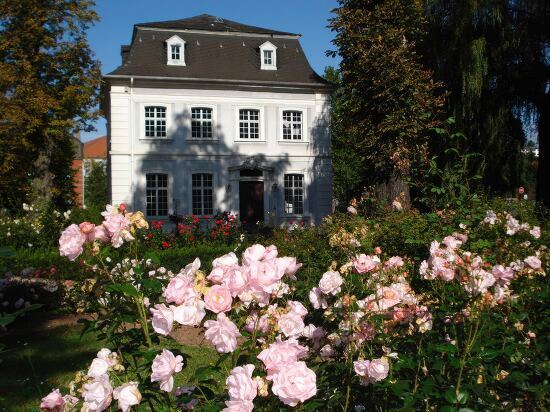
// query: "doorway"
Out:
[251,202]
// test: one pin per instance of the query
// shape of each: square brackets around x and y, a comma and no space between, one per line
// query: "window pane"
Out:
[202,194]
[156,194]
[294,193]
[249,124]
[292,125]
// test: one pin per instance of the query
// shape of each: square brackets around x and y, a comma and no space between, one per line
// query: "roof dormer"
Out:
[175,51]
[268,56]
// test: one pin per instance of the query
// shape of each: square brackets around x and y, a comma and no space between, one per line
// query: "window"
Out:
[201,123]
[156,194]
[268,57]
[292,125]
[155,121]
[175,51]
[294,194]
[202,193]
[249,124]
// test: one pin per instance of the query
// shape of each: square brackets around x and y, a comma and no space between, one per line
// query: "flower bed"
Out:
[360,328]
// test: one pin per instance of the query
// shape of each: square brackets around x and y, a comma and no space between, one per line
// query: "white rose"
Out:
[97,394]
[330,283]
[317,299]
[98,368]
[127,395]
[291,324]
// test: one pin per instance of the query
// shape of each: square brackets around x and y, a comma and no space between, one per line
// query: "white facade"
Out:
[179,156]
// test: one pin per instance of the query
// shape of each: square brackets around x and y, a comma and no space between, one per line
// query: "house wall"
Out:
[132,155]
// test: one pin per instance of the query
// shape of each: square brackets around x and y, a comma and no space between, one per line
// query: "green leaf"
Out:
[450,395]
[126,288]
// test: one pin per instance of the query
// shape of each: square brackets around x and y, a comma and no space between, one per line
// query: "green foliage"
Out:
[389,99]
[95,185]
[49,89]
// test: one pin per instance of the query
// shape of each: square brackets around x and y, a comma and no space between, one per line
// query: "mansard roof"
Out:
[207,22]
[218,51]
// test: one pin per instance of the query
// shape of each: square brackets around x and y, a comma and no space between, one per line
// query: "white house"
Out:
[206,114]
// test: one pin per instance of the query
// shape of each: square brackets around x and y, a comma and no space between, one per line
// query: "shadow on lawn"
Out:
[38,359]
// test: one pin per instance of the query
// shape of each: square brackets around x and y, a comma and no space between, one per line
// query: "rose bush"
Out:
[370,329]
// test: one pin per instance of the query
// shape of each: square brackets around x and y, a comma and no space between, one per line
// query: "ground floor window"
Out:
[202,193]
[157,194]
[294,194]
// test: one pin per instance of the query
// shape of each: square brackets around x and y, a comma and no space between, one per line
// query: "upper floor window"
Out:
[268,56]
[249,124]
[156,194]
[201,123]
[175,50]
[155,121]
[294,194]
[292,125]
[202,194]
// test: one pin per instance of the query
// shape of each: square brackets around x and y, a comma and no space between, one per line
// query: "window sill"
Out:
[261,141]
[202,141]
[302,142]
[156,139]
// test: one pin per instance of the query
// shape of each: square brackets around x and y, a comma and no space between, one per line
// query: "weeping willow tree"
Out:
[485,52]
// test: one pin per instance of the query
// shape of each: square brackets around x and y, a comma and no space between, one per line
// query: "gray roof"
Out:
[212,23]
[229,56]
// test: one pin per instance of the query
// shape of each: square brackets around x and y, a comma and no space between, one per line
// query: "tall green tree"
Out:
[389,102]
[95,185]
[49,89]
[492,56]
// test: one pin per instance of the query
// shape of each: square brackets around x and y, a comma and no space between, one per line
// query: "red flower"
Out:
[165,245]
[122,208]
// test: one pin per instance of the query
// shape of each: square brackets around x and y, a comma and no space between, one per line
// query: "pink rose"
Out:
[88,229]
[229,259]
[97,394]
[254,253]
[98,368]
[240,384]
[165,365]
[218,299]
[534,262]
[331,283]
[222,333]
[289,266]
[190,314]
[297,308]
[394,262]
[480,280]
[535,232]
[294,384]
[317,299]
[363,263]
[180,290]
[351,210]
[371,371]
[265,275]
[291,324]
[127,395]
[236,279]
[163,318]
[452,242]
[503,275]
[261,325]
[280,354]
[53,401]
[71,242]
[386,297]
[101,234]
[238,406]
[115,223]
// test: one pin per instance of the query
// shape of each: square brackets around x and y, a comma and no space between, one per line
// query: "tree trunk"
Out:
[543,172]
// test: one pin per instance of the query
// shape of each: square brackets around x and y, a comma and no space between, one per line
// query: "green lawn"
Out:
[35,362]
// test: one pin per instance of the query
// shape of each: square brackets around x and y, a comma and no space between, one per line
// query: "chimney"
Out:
[124,52]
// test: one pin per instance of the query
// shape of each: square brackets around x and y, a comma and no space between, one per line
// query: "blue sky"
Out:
[308,17]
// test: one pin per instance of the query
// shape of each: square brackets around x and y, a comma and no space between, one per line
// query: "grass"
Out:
[38,359]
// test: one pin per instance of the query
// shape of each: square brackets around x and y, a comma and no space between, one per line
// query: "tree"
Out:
[389,101]
[95,185]
[49,89]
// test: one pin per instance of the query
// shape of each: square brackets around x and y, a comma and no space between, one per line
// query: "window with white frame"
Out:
[294,194]
[202,194]
[175,51]
[292,125]
[201,123]
[268,56]
[156,188]
[155,121]
[249,124]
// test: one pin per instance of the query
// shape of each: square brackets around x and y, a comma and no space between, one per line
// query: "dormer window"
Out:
[268,55]
[175,48]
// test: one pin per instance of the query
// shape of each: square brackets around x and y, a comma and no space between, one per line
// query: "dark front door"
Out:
[251,202]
